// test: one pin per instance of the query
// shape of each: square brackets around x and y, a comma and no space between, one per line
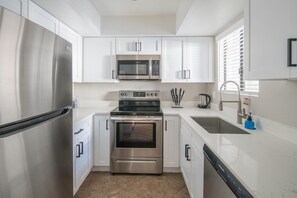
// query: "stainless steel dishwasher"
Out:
[218,180]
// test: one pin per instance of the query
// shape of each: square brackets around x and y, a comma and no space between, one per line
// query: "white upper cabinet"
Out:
[149,45]
[198,65]
[127,45]
[43,18]
[76,40]
[187,59]
[138,45]
[172,59]
[19,7]
[268,26]
[99,60]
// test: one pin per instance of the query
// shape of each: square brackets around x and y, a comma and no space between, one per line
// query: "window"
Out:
[231,59]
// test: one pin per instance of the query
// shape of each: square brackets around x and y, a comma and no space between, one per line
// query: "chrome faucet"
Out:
[240,113]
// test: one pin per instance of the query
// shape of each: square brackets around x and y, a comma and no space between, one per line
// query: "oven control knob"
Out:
[152,94]
[148,94]
[156,94]
[126,94]
[122,94]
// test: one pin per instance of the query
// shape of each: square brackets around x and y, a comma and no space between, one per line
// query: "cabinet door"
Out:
[197,173]
[17,6]
[99,60]
[101,141]
[42,18]
[269,24]
[82,158]
[197,159]
[82,135]
[149,45]
[198,62]
[172,59]
[75,39]
[185,150]
[127,45]
[171,142]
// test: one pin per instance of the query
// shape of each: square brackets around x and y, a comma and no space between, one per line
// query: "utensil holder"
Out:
[177,97]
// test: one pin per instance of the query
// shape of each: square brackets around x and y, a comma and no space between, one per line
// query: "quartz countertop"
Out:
[265,164]
[82,113]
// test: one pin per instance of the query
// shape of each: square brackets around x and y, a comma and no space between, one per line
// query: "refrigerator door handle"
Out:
[17,127]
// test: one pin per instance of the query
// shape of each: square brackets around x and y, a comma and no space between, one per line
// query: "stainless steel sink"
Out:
[218,126]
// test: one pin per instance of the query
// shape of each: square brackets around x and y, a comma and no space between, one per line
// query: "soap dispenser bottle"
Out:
[249,123]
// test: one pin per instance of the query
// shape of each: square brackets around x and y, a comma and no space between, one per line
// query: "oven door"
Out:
[133,69]
[137,136]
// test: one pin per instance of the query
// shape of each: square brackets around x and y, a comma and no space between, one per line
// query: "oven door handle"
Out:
[147,119]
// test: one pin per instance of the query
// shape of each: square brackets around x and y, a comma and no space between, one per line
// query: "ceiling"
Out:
[210,17]
[136,7]
[190,17]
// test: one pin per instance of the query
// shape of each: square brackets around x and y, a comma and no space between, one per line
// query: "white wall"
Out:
[138,25]
[80,15]
[109,92]
[277,100]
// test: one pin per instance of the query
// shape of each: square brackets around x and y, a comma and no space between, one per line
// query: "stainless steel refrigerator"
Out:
[35,111]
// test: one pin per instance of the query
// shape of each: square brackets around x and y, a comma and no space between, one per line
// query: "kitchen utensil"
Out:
[177,96]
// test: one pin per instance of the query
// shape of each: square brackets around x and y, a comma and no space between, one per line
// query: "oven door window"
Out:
[133,68]
[135,135]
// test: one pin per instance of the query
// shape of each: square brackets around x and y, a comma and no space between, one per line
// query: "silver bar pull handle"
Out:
[106,124]
[136,46]
[112,74]
[289,53]
[165,125]
[140,47]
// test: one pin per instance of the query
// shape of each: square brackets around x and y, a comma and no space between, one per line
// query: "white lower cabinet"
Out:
[82,152]
[171,142]
[101,141]
[192,160]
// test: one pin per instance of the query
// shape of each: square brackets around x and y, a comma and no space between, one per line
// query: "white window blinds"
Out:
[231,57]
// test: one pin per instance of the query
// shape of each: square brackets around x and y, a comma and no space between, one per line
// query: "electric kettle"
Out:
[205,100]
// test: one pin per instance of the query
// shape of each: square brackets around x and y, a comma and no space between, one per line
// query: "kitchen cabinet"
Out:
[192,160]
[185,157]
[171,142]
[99,60]
[138,45]
[268,26]
[19,7]
[76,40]
[82,152]
[187,59]
[101,141]
[43,18]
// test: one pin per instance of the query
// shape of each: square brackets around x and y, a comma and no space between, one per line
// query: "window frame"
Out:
[218,38]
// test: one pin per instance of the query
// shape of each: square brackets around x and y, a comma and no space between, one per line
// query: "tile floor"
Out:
[106,185]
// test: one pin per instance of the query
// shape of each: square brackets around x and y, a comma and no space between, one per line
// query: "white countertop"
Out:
[83,113]
[264,163]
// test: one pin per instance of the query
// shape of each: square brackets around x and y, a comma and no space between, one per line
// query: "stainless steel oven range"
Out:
[137,133]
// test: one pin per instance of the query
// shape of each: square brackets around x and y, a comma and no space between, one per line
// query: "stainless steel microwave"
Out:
[140,67]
